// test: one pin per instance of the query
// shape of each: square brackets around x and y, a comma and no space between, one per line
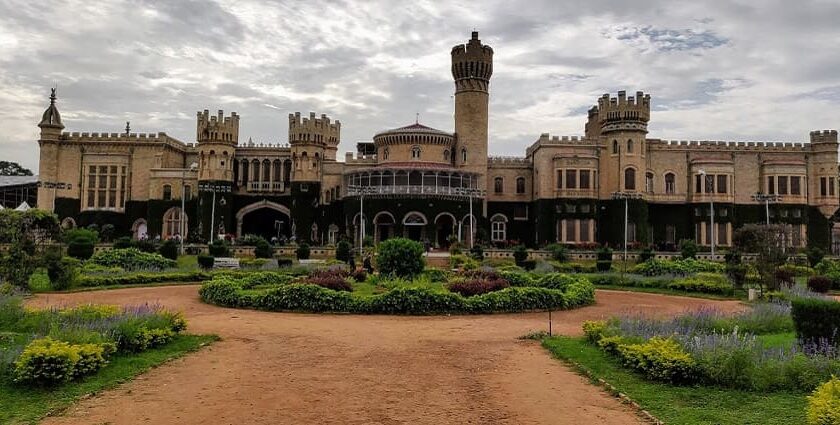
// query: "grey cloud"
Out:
[664,39]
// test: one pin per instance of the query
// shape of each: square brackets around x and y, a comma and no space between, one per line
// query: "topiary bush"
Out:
[819,284]
[123,242]
[647,254]
[661,359]
[688,248]
[815,255]
[206,261]
[558,252]
[169,249]
[477,252]
[710,283]
[46,361]
[81,243]
[219,248]
[302,251]
[343,251]
[816,319]
[604,260]
[520,255]
[62,271]
[400,257]
[263,249]
[824,404]
[131,259]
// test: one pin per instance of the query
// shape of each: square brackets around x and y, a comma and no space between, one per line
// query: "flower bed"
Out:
[404,298]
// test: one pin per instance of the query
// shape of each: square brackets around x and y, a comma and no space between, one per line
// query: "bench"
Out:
[226,263]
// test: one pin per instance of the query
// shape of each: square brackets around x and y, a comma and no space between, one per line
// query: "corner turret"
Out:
[51,124]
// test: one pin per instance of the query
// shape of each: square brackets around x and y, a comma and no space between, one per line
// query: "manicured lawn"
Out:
[682,405]
[187,262]
[21,405]
[784,340]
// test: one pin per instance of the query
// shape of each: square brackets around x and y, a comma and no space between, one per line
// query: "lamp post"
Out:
[222,202]
[361,190]
[711,211]
[626,196]
[182,225]
[767,199]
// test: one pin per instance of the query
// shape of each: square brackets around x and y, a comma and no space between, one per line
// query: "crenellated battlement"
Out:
[736,145]
[472,65]
[824,136]
[217,128]
[317,130]
[159,137]
[546,139]
[619,113]
[509,161]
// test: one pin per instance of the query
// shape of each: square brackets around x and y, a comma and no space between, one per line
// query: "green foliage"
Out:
[262,249]
[81,243]
[659,358]
[647,254]
[205,261]
[62,271]
[814,255]
[829,269]
[477,252]
[819,284]
[816,319]
[123,242]
[824,404]
[169,249]
[131,259]
[681,267]
[10,168]
[797,270]
[604,259]
[520,254]
[106,234]
[688,248]
[400,257]
[32,225]
[710,283]
[142,278]
[462,262]
[768,243]
[302,251]
[219,248]
[19,263]
[46,361]
[558,252]
[518,278]
[343,251]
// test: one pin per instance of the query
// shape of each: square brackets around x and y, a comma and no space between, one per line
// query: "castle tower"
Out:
[313,141]
[822,171]
[217,137]
[51,127]
[621,123]
[472,67]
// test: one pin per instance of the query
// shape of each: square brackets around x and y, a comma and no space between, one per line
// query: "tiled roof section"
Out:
[415,128]
[17,180]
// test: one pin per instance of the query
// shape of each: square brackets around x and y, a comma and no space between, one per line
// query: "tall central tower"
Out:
[472,66]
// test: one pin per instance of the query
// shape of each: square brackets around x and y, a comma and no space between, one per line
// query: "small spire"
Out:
[52,96]
[417,118]
[127,127]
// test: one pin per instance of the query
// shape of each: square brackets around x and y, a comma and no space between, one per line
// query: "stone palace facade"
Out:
[425,183]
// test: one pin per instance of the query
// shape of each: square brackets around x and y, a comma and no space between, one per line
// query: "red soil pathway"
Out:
[286,368]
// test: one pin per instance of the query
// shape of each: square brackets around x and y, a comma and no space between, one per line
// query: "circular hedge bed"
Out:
[285,293]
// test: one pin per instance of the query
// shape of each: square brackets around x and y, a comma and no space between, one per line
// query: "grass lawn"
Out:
[681,404]
[23,405]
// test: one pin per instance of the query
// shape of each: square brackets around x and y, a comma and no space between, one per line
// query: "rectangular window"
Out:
[112,199]
[708,237]
[631,232]
[91,195]
[670,233]
[571,227]
[103,181]
[771,186]
[559,179]
[722,180]
[100,199]
[584,230]
[823,189]
[698,212]
[831,186]
[520,212]
[795,188]
[584,179]
[698,183]
[585,208]
[797,213]
[571,208]
[723,212]
[698,233]
[571,179]
[710,183]
[783,185]
[722,234]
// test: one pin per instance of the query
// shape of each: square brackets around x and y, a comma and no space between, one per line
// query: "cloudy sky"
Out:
[745,70]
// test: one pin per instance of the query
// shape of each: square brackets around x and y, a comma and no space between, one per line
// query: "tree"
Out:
[343,251]
[81,243]
[9,168]
[400,257]
[768,243]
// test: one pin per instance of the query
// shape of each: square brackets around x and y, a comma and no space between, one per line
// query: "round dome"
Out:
[414,143]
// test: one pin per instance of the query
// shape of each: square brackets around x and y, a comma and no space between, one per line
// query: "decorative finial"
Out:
[417,118]
[127,127]
[52,96]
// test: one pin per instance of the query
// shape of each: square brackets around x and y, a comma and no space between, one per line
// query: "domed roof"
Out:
[51,117]
[415,128]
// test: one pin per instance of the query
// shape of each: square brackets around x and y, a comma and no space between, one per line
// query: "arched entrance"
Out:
[265,218]
[68,223]
[444,229]
[383,226]
[139,230]
[414,226]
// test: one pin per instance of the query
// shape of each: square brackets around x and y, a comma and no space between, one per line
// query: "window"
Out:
[795,185]
[631,232]
[698,212]
[172,223]
[722,233]
[415,152]
[670,183]
[710,183]
[629,179]
[446,155]
[498,185]
[615,147]
[520,185]
[559,179]
[187,192]
[571,179]
[831,186]
[463,155]
[649,182]
[571,231]
[584,179]
[722,180]
[723,212]
[571,208]
[797,213]
[629,146]
[520,212]
[498,228]
[823,191]
[783,185]
[584,231]
[585,208]
[106,185]
[698,183]
[670,233]
[771,185]
[167,192]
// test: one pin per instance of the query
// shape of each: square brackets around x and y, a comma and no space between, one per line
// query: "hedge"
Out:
[709,283]
[141,278]
[816,319]
[232,292]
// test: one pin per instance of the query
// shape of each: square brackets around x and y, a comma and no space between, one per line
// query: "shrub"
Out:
[145,245]
[359,275]
[400,257]
[61,271]
[661,359]
[106,234]
[343,251]
[285,262]
[815,255]
[206,261]
[330,279]
[46,361]
[604,260]
[594,329]
[520,255]
[123,242]
[711,283]
[688,248]
[797,270]
[169,249]
[816,319]
[647,254]
[681,267]
[81,243]
[477,252]
[558,281]
[262,249]
[219,248]
[131,259]
[784,277]
[517,278]
[476,286]
[302,251]
[435,275]
[819,284]
[558,252]
[824,404]
[737,273]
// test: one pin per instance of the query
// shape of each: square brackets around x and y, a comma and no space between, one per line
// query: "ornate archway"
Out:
[140,229]
[444,229]
[285,223]
[383,223]
[414,226]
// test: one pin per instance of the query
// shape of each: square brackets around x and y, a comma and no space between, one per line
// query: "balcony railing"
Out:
[415,190]
[576,193]
[266,186]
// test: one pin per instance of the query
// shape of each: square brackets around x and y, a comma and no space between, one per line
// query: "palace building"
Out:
[436,185]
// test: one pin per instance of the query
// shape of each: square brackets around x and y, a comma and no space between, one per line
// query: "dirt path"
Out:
[284,368]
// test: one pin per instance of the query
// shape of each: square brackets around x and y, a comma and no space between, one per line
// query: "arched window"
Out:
[463,155]
[187,192]
[670,183]
[498,185]
[649,182]
[446,155]
[167,192]
[520,185]
[266,170]
[255,170]
[498,228]
[615,147]
[629,146]
[629,179]
[172,223]
[415,152]
[278,175]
